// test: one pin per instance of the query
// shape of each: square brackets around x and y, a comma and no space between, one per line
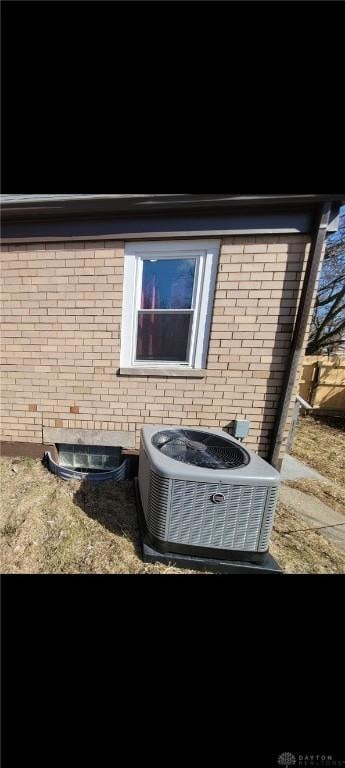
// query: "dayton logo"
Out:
[287,759]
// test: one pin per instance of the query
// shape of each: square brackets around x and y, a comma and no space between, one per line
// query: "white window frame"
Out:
[207,253]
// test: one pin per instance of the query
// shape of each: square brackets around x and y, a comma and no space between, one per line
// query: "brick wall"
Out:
[61,325]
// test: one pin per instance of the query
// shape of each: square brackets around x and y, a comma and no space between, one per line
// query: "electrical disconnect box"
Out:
[241,429]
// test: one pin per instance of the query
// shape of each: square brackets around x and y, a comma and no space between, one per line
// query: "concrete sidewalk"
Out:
[313,512]
[293,469]
[316,514]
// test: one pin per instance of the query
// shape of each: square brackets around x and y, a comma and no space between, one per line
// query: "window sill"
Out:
[181,373]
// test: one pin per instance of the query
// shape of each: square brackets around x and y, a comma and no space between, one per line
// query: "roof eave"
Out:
[20,205]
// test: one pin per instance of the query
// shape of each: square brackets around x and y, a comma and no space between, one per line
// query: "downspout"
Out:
[298,339]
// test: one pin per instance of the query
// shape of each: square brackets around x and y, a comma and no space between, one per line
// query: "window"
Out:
[89,458]
[167,304]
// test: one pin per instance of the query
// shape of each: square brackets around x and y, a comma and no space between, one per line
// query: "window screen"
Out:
[166,313]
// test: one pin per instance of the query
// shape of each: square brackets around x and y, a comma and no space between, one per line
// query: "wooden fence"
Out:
[323,383]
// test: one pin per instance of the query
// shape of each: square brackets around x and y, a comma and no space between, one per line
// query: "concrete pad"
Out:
[316,514]
[293,469]
[111,438]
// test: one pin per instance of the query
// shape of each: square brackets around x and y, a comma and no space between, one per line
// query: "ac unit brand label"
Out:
[218,498]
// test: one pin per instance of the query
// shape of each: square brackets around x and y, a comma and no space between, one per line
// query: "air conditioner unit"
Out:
[203,493]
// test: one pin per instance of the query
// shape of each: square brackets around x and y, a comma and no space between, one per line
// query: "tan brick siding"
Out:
[61,323]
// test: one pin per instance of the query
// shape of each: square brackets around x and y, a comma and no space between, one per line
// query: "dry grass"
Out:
[299,552]
[50,526]
[320,443]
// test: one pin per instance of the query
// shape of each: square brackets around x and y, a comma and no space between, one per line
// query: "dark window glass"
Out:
[164,336]
[168,284]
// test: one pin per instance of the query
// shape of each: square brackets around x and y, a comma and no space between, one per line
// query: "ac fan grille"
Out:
[200,449]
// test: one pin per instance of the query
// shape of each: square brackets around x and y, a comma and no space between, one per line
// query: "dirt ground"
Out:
[51,526]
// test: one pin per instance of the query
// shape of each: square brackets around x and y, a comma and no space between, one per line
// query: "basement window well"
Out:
[97,463]
[89,458]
